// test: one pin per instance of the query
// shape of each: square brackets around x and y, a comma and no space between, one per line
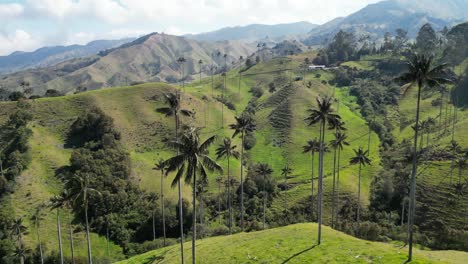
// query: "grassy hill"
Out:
[294,244]
[143,132]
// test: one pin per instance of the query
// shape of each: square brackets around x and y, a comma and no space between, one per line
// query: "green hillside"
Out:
[295,244]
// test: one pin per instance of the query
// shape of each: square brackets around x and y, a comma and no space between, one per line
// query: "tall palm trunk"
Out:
[320,181]
[358,217]
[219,202]
[88,239]
[312,183]
[412,201]
[242,181]
[59,233]
[72,248]
[402,211]
[179,191]
[39,240]
[440,111]
[333,188]
[264,201]
[163,211]
[229,197]
[338,187]
[154,225]
[194,217]
[107,239]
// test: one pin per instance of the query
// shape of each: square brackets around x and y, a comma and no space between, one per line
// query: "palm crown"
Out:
[361,157]
[193,156]
[324,113]
[227,149]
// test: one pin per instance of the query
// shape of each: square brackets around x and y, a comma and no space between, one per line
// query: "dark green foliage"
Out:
[117,204]
[256,91]
[460,93]
[426,41]
[342,48]
[91,128]
[16,96]
[14,136]
[52,93]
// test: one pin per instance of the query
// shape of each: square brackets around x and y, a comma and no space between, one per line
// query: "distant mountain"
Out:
[48,56]
[150,58]
[387,16]
[255,32]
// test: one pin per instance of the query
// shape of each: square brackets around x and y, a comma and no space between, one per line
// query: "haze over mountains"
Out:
[48,56]
[255,31]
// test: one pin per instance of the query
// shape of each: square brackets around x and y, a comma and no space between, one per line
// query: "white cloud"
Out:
[10,10]
[18,40]
[80,21]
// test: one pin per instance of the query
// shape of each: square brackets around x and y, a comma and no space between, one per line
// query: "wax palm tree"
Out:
[200,63]
[422,73]
[79,194]
[174,110]
[18,230]
[56,203]
[219,181]
[285,172]
[264,170]
[152,198]
[244,124]
[228,150]
[338,144]
[322,115]
[333,144]
[160,167]
[312,147]
[192,159]
[201,189]
[21,252]
[361,158]
[37,217]
[181,61]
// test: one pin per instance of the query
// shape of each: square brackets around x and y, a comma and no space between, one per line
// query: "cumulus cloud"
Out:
[18,40]
[174,16]
[10,10]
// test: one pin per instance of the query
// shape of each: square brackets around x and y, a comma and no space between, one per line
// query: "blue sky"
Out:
[29,24]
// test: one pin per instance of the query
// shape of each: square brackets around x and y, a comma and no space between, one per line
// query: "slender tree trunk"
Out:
[446,114]
[107,239]
[242,181]
[402,211]
[359,196]
[264,201]
[219,202]
[238,89]
[179,191]
[88,239]
[333,188]
[455,116]
[154,225]
[194,217]
[411,209]
[312,184]
[369,139]
[320,182]
[229,197]
[440,111]
[72,248]
[59,233]
[163,211]
[39,240]
[338,188]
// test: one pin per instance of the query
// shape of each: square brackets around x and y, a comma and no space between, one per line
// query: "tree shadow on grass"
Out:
[298,253]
